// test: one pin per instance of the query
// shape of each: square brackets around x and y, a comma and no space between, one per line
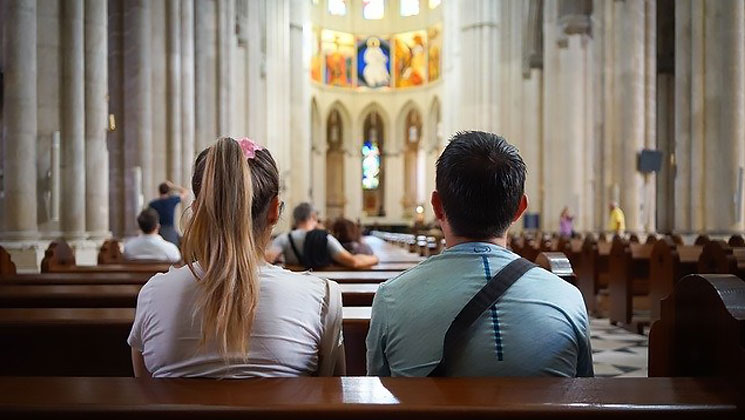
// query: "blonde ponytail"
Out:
[220,236]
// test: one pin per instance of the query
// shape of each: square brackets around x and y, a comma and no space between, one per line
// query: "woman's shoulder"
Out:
[273,272]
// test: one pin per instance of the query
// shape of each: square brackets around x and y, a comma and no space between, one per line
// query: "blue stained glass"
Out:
[370,165]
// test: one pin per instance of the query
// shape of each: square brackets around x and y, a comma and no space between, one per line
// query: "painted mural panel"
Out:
[373,62]
[410,59]
[316,58]
[434,38]
[339,50]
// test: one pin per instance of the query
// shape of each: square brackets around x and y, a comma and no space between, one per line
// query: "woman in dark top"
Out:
[348,233]
[165,205]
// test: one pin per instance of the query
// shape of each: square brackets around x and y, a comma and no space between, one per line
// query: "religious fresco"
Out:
[373,62]
[339,50]
[434,37]
[316,59]
[410,59]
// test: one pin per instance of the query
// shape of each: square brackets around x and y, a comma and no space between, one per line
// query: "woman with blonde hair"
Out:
[228,314]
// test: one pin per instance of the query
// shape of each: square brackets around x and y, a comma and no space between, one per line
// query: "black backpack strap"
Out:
[483,300]
[294,249]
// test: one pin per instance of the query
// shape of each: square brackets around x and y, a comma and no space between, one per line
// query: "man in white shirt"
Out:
[150,245]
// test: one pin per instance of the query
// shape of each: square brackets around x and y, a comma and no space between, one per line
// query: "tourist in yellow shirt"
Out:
[617,221]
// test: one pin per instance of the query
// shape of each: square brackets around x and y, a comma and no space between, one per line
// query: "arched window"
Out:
[409,7]
[373,9]
[372,165]
[338,7]
[335,200]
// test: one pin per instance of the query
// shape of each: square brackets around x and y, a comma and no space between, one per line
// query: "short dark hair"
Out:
[480,181]
[302,212]
[163,188]
[148,220]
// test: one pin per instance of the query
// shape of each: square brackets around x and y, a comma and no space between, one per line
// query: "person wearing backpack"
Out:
[313,248]
[478,309]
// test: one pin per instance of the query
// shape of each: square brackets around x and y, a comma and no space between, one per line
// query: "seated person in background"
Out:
[310,247]
[150,245]
[228,314]
[539,327]
[165,205]
[348,233]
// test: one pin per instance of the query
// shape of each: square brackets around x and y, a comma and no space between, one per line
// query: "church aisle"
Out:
[617,352]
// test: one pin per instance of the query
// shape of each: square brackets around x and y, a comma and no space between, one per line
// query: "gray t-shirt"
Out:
[538,328]
[282,244]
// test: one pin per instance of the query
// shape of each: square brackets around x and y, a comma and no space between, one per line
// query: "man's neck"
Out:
[453,240]
[307,226]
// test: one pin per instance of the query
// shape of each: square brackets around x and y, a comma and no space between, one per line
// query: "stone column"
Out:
[300,132]
[650,111]
[19,164]
[481,73]
[225,31]
[187,90]
[96,110]
[724,110]
[73,121]
[206,75]
[173,42]
[137,108]
[629,104]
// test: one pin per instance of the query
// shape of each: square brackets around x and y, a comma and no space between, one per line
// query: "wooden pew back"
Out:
[669,263]
[702,329]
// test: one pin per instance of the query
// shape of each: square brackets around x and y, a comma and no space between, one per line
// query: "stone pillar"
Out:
[629,104]
[724,111]
[96,110]
[187,90]
[300,131]
[225,31]
[206,76]
[137,108]
[173,40]
[19,164]
[73,121]
[649,206]
[481,72]
[116,79]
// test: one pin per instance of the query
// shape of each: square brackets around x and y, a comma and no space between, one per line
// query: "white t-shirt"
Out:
[296,330]
[151,247]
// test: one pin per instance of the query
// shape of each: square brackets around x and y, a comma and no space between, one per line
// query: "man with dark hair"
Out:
[150,245]
[310,247]
[539,325]
[165,205]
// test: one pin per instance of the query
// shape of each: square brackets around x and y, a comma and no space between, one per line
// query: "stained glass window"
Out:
[434,3]
[373,9]
[338,7]
[370,165]
[409,7]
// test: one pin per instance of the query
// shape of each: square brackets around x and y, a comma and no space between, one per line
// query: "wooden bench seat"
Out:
[370,398]
[669,263]
[593,271]
[123,295]
[629,279]
[76,278]
[93,341]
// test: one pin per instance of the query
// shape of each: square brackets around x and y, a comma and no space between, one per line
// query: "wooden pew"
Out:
[370,398]
[736,241]
[59,258]
[669,263]
[77,278]
[7,267]
[719,258]
[93,341]
[702,240]
[702,329]
[378,267]
[557,263]
[123,295]
[593,272]
[629,278]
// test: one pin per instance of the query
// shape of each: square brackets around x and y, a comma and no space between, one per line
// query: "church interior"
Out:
[629,116]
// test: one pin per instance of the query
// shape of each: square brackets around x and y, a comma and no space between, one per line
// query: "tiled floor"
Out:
[617,352]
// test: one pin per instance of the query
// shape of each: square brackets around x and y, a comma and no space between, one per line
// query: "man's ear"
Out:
[437,206]
[272,216]
[521,208]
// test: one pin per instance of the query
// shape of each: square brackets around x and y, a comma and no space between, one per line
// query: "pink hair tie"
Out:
[249,147]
